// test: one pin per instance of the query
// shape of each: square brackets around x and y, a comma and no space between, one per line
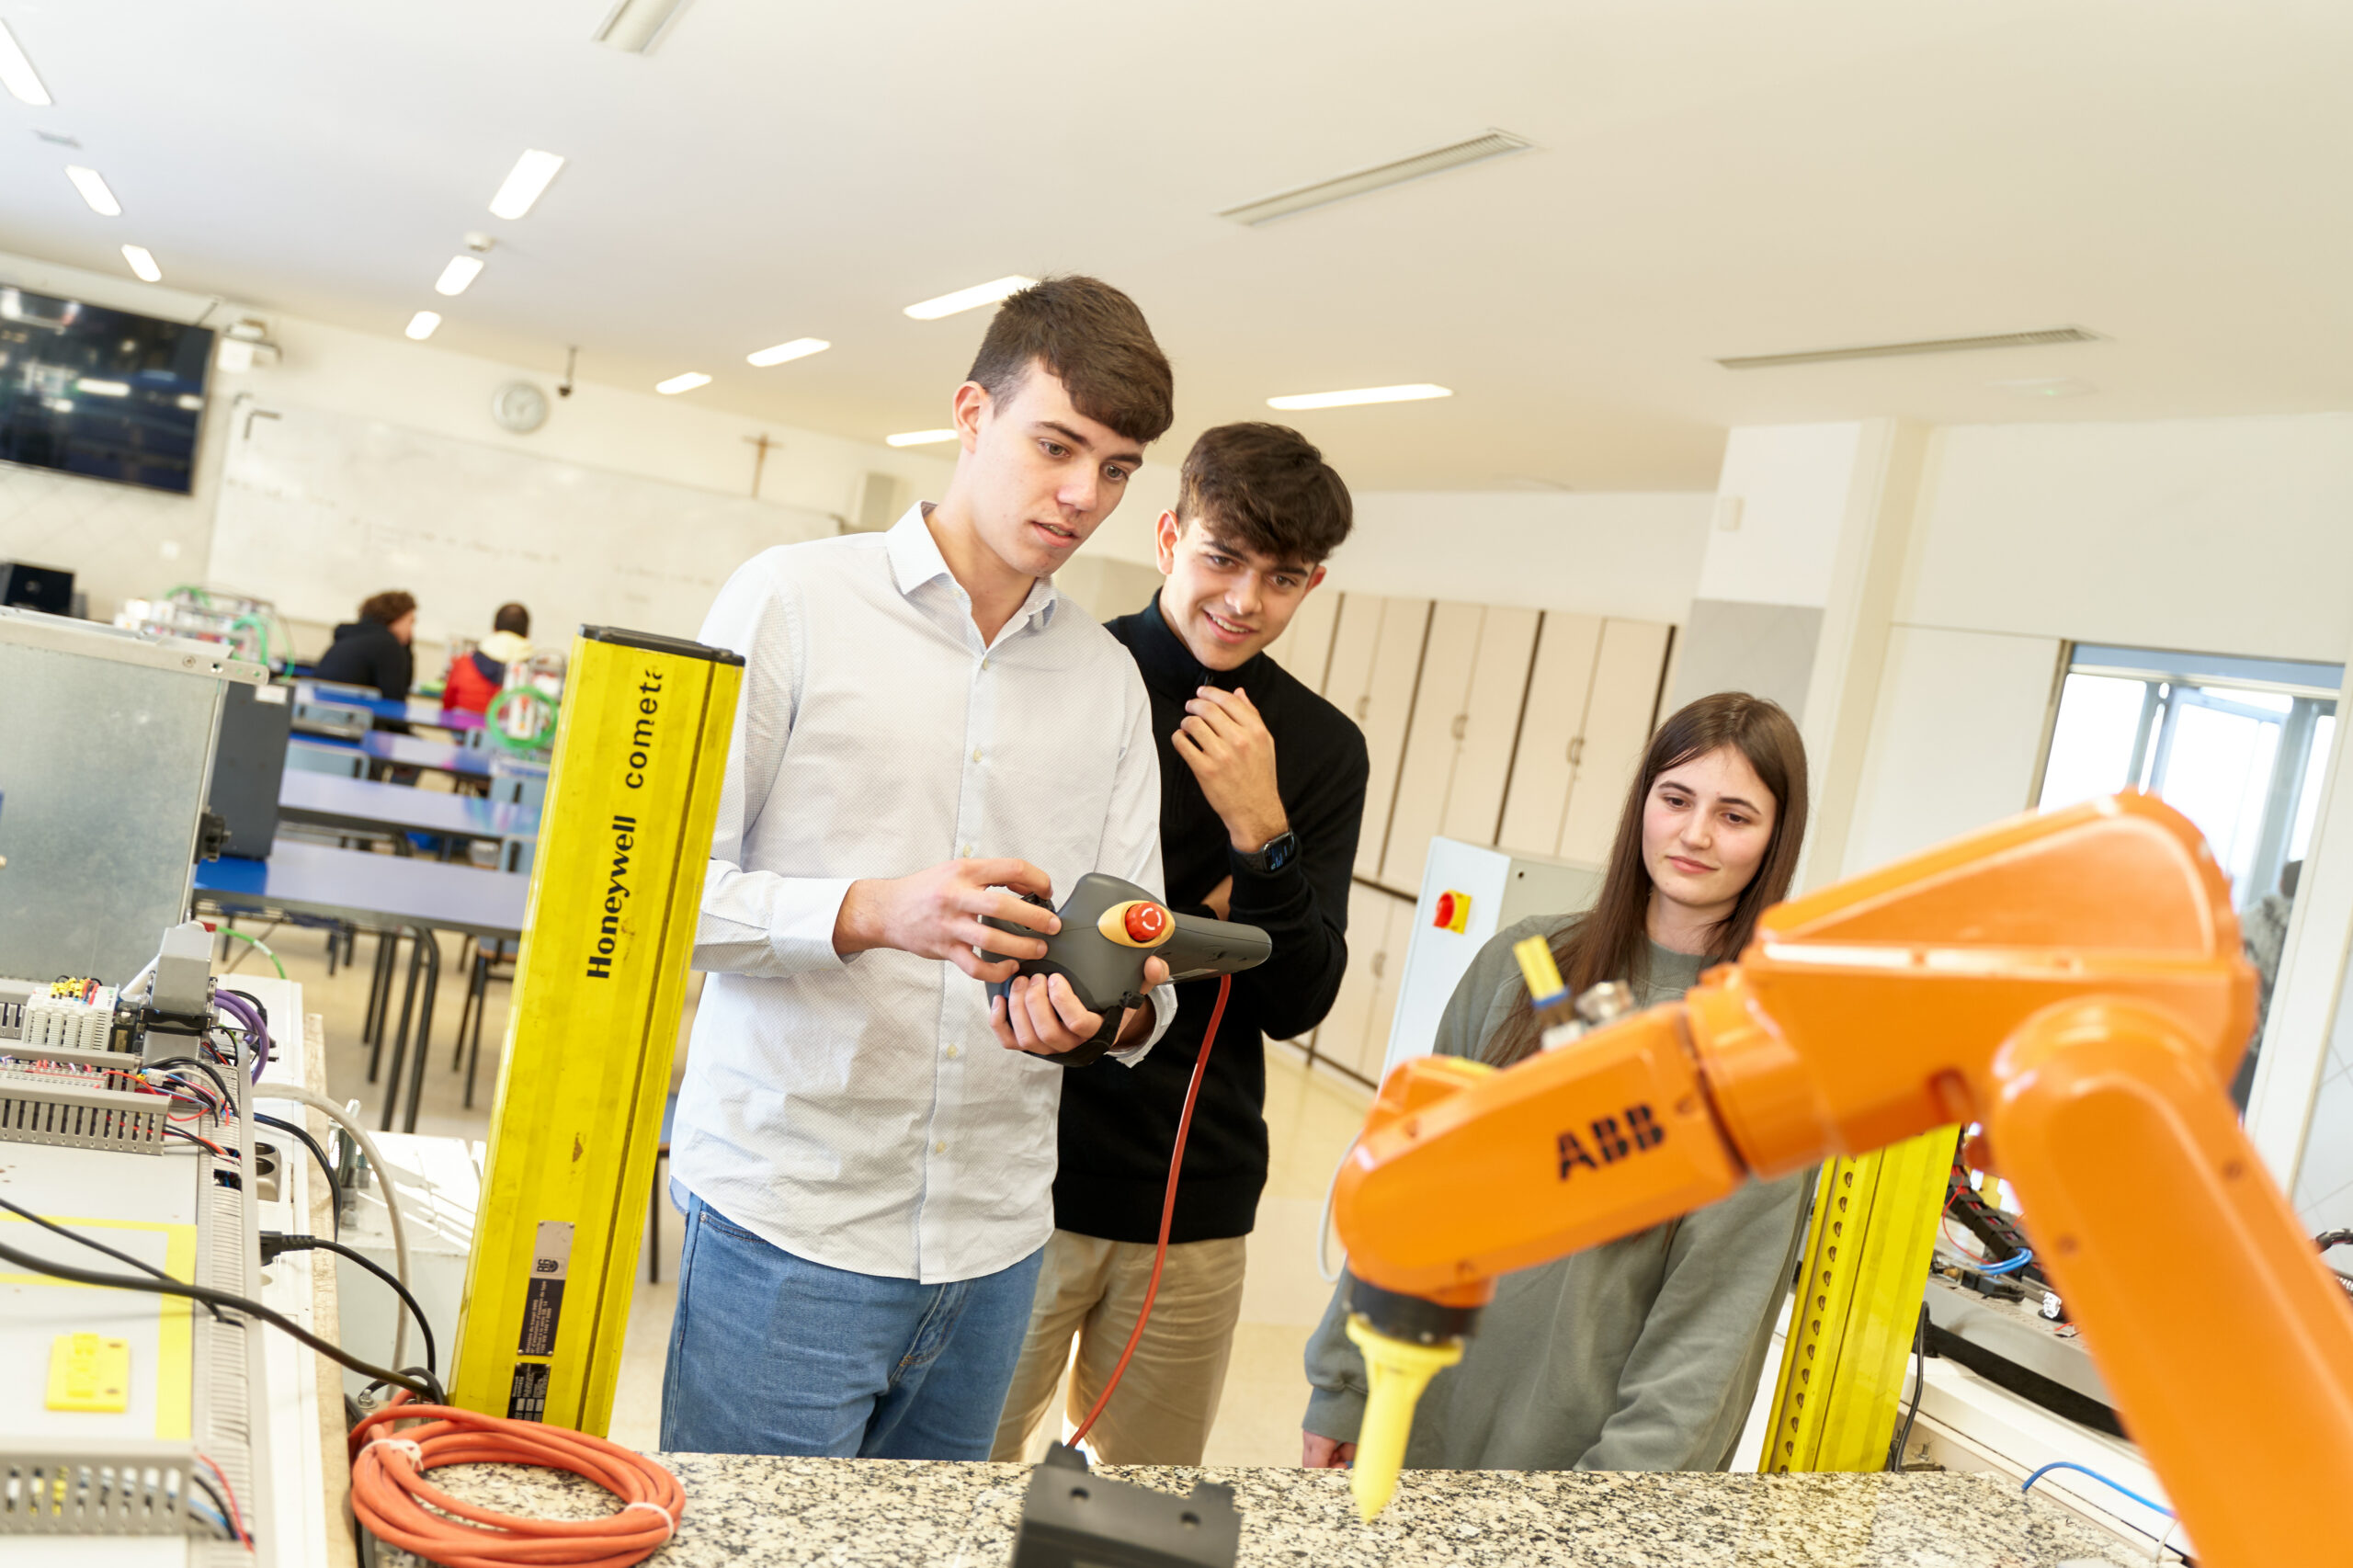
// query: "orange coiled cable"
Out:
[391,1497]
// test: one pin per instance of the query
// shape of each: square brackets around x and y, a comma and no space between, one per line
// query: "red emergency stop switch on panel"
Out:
[1146,922]
[1453,912]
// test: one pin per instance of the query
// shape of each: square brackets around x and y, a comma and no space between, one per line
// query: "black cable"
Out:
[91,1242]
[228,1519]
[427,1387]
[273,1243]
[251,1000]
[334,1191]
[1919,1384]
[2328,1239]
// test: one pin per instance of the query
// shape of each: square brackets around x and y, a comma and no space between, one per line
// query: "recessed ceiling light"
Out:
[1412,394]
[799,349]
[421,325]
[969,299]
[687,382]
[142,263]
[94,191]
[17,72]
[918,437]
[461,270]
[525,183]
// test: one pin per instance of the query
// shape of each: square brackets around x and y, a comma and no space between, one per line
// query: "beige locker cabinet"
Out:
[1458,750]
[1340,1037]
[1558,688]
[1376,657]
[1388,975]
[1483,741]
[1448,657]
[1617,729]
[1304,649]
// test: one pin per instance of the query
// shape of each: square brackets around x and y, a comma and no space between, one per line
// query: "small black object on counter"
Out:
[1071,1518]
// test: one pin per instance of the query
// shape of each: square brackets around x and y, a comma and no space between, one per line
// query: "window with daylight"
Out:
[2236,745]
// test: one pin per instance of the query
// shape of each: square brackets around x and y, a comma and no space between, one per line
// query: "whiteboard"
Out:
[319,510]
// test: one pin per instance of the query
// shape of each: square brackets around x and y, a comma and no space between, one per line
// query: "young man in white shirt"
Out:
[865,1142]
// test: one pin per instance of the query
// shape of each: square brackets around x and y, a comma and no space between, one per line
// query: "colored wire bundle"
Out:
[247,1012]
[391,1495]
[1167,1212]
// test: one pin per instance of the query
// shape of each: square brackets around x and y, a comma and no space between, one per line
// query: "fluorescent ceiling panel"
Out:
[918,437]
[525,183]
[969,299]
[687,382]
[799,349]
[17,72]
[142,263]
[462,270]
[94,190]
[1412,394]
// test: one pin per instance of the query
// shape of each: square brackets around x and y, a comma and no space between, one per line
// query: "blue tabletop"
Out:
[326,801]
[373,890]
[366,697]
[409,752]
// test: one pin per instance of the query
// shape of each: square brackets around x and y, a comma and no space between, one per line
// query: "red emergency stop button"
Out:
[1452,911]
[1146,922]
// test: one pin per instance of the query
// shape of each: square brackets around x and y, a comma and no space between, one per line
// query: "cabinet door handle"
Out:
[1576,751]
[1379,962]
[1364,707]
[1461,723]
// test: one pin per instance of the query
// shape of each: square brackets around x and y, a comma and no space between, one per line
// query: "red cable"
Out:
[1167,1211]
[236,1515]
[391,1497]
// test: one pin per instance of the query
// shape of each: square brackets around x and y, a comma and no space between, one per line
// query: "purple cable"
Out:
[256,1033]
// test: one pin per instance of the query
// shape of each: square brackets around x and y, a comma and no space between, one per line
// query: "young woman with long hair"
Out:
[1643,1354]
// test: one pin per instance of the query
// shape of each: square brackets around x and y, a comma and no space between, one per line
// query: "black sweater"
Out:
[1119,1123]
[365,653]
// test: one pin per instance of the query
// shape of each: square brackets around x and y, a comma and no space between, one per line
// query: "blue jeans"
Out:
[772,1353]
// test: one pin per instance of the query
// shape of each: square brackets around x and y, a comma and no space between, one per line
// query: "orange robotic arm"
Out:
[2072,982]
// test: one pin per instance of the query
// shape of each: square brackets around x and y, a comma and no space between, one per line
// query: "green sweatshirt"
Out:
[1643,1354]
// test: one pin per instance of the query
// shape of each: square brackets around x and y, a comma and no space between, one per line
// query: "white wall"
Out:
[125,542]
[1955,734]
[2222,536]
[1793,483]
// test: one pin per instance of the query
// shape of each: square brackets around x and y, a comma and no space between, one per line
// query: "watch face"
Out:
[1280,851]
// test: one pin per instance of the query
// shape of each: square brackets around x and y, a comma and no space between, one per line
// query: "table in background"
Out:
[394,810]
[385,749]
[387,894]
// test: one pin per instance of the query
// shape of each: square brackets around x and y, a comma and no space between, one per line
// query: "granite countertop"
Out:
[852,1513]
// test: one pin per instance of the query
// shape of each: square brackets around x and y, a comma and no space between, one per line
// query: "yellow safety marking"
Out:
[1856,1307]
[176,1316]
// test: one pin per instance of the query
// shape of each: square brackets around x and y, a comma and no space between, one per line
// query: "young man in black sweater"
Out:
[1261,793]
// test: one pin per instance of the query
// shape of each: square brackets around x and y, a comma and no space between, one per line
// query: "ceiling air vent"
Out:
[637,26]
[1454,155]
[1926,346]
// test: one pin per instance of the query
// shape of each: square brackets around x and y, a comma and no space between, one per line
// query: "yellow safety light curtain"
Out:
[1856,1307]
[624,840]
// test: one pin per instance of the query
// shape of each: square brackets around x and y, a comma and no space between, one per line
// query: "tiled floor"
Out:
[1311,1117]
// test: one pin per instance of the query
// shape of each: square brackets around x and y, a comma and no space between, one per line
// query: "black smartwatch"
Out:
[1272,856]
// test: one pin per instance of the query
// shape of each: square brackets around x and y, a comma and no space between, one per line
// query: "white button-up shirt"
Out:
[858,1112]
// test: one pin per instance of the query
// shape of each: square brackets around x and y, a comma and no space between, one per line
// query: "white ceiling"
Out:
[1712,177]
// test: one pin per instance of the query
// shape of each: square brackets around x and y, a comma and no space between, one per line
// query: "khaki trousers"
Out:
[1093,1287]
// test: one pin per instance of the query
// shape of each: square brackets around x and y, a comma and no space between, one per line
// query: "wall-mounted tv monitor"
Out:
[104,394]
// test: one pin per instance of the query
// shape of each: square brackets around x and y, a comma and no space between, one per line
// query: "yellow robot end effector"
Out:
[1396,1371]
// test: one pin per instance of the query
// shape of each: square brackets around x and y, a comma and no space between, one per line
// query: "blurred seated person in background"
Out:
[478,677]
[373,650]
